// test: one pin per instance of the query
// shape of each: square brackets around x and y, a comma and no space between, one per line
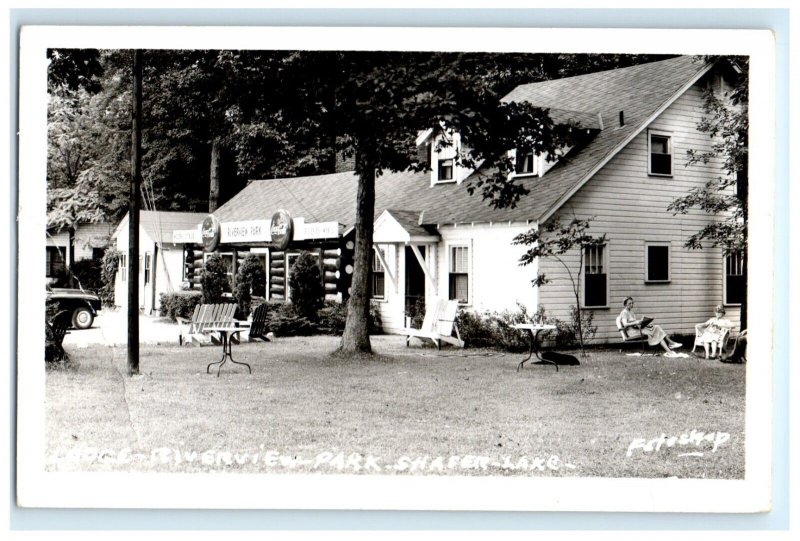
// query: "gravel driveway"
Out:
[111,327]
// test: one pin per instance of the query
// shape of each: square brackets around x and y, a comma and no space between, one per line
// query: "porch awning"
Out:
[403,226]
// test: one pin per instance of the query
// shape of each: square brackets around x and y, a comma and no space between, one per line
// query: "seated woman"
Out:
[715,330]
[654,333]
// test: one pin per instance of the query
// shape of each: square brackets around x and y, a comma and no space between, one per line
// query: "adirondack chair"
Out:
[203,317]
[59,327]
[633,337]
[438,324]
[258,324]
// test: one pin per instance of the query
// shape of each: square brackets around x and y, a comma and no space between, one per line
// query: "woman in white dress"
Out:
[715,330]
[654,333]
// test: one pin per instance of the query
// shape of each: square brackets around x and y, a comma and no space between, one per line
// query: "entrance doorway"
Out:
[415,282]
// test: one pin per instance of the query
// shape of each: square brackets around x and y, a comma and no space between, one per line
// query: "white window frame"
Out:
[447,153]
[466,243]
[123,267]
[725,279]
[377,263]
[671,143]
[647,246]
[606,271]
[537,165]
[147,268]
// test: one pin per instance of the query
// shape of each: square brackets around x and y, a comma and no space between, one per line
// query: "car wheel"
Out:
[82,318]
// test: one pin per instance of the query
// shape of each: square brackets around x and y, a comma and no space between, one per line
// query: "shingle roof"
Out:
[640,91]
[410,220]
[167,221]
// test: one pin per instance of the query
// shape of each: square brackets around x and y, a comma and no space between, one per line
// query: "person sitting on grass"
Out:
[715,330]
[654,333]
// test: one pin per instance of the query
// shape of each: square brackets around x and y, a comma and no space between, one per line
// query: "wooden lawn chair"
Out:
[438,324]
[203,317]
[631,338]
[258,324]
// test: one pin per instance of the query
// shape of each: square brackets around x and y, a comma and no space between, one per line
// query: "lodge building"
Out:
[433,239]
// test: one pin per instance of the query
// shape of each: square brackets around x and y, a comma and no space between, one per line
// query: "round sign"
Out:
[210,232]
[281,228]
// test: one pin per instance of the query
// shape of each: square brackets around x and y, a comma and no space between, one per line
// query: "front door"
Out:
[415,283]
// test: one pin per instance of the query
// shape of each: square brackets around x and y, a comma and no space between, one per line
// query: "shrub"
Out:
[89,273]
[214,279]
[305,284]
[567,335]
[179,303]
[108,274]
[283,319]
[333,315]
[416,312]
[494,329]
[250,280]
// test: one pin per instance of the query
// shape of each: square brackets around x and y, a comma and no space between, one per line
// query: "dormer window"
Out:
[445,170]
[525,162]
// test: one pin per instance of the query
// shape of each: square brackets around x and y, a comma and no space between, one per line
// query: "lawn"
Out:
[406,411]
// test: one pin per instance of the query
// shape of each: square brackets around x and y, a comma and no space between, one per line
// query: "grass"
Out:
[398,408]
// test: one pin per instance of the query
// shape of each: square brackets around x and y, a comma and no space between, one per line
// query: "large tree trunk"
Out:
[216,168]
[355,338]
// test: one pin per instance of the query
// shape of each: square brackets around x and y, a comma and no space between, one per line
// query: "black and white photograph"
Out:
[506,273]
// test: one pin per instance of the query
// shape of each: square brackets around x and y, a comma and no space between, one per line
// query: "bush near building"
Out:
[179,303]
[214,280]
[108,274]
[305,286]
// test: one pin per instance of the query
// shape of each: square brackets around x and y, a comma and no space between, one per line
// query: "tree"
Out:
[554,240]
[726,122]
[250,280]
[214,279]
[305,286]
[383,100]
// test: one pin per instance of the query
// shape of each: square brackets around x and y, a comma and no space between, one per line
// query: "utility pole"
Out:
[133,217]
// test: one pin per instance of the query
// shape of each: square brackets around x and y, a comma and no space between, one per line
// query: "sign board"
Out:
[186,236]
[316,230]
[210,233]
[249,231]
[280,229]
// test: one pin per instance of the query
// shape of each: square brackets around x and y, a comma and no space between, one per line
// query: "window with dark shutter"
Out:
[657,263]
[595,291]
[734,278]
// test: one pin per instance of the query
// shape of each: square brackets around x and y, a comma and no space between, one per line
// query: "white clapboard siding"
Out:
[630,207]
[496,281]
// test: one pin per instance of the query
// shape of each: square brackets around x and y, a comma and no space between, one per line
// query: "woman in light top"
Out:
[654,333]
[716,329]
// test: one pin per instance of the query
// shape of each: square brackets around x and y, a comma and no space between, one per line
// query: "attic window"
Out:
[445,170]
[660,150]
[525,162]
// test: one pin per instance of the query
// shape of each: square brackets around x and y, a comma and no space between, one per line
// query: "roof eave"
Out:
[568,195]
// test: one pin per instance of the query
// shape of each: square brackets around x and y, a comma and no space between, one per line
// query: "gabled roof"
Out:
[159,225]
[642,92]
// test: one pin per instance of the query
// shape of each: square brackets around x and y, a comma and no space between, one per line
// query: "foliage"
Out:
[283,319]
[74,69]
[250,280]
[214,279]
[52,353]
[493,329]
[726,121]
[179,304]
[89,274]
[305,286]
[554,240]
[332,316]
[416,313]
[108,274]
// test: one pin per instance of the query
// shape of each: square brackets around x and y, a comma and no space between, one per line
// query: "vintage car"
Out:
[82,305]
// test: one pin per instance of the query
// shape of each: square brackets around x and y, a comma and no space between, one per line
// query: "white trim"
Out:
[668,246]
[567,196]
[422,263]
[670,143]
